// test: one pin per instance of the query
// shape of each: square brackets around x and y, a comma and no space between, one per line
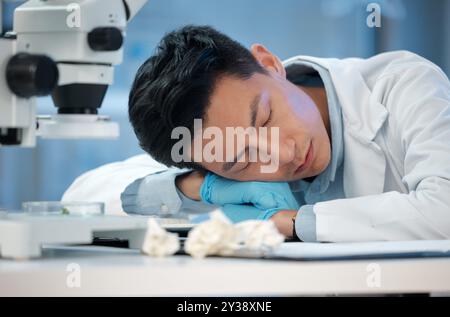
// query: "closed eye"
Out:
[269,119]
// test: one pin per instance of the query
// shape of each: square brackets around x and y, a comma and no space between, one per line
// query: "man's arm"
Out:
[284,222]
[165,192]
[189,184]
[418,101]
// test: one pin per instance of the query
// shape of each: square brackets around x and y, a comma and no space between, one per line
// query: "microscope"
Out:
[66,49]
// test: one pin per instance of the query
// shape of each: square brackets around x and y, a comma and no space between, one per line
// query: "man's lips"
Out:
[307,161]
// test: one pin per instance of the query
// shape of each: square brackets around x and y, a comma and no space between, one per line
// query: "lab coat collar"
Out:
[363,116]
[364,119]
[297,69]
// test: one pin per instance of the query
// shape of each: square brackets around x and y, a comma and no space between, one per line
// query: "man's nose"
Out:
[287,151]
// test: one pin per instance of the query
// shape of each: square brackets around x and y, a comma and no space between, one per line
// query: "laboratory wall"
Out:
[327,28]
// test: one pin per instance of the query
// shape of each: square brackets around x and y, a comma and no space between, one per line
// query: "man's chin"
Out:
[306,178]
[309,177]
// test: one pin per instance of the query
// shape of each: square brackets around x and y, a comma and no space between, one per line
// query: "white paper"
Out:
[358,249]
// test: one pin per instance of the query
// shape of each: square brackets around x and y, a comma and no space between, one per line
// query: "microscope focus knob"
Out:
[30,75]
[105,39]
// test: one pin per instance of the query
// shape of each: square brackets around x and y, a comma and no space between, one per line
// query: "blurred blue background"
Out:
[328,28]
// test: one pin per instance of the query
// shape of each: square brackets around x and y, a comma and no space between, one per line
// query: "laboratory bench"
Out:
[106,271]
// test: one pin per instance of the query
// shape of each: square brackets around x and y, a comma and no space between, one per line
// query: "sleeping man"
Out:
[329,149]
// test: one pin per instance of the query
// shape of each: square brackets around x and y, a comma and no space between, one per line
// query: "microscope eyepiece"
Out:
[105,39]
[31,75]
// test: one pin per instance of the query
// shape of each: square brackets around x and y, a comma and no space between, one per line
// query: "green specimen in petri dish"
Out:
[65,211]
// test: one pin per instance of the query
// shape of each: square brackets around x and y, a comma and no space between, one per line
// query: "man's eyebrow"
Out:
[254,106]
[254,110]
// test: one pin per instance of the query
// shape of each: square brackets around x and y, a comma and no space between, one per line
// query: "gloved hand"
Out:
[260,200]
[237,213]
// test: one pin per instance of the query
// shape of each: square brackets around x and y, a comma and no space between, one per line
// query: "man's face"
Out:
[288,124]
[269,101]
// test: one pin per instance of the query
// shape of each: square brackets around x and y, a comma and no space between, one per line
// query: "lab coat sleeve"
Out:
[157,194]
[154,194]
[305,224]
[417,96]
[106,183]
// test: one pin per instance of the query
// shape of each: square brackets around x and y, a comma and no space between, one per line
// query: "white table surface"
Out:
[123,272]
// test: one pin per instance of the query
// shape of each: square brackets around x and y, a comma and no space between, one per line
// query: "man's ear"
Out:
[267,60]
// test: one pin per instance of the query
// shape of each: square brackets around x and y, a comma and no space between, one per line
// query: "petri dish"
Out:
[64,208]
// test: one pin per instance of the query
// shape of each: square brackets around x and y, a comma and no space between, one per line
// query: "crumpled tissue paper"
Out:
[259,235]
[216,236]
[219,236]
[158,242]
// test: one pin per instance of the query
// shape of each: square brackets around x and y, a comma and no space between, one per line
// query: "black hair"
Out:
[173,87]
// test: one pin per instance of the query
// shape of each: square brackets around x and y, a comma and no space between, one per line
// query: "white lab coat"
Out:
[106,183]
[396,118]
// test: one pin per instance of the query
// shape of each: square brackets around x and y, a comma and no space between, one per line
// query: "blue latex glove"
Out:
[238,213]
[261,200]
